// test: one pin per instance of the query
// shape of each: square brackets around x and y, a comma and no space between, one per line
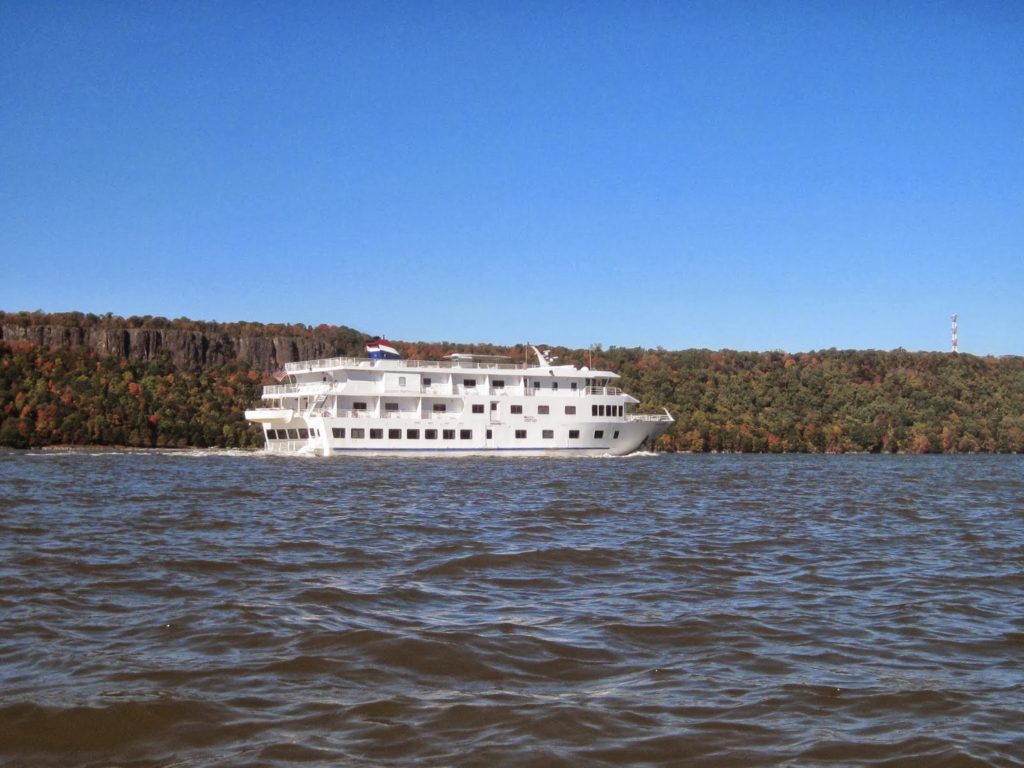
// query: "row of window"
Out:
[292,434]
[359,433]
[542,410]
[496,384]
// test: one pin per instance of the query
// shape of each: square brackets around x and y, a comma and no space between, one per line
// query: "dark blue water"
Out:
[212,609]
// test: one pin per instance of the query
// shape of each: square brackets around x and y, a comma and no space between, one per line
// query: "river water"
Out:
[191,609]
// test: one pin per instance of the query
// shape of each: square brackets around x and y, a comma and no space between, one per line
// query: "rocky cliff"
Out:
[187,349]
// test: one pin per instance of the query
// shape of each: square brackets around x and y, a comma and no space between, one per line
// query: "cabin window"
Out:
[358,433]
[599,434]
[554,385]
[600,410]
[430,434]
[520,434]
[303,434]
[469,383]
[412,434]
[572,386]
[338,431]
[499,384]
[615,435]
[536,385]
[376,434]
[358,406]
[574,434]
[548,434]
[465,434]
[593,410]
[478,408]
[391,406]
[426,381]
[401,381]
[439,408]
[543,410]
[517,409]
[448,434]
[570,410]
[489,435]
[394,434]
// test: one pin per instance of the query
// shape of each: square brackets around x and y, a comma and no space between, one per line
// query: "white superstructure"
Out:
[466,404]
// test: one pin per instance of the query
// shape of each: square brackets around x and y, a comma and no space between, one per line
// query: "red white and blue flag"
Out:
[382,349]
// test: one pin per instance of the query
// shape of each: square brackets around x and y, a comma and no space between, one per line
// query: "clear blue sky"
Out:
[746,175]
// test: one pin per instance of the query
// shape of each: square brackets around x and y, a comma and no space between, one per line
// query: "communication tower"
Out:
[955,341]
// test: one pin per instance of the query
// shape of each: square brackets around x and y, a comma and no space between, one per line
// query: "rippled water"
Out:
[191,610]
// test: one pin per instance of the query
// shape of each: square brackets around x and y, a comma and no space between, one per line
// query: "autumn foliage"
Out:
[831,401]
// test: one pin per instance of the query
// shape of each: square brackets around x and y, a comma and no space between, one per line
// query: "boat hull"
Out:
[331,436]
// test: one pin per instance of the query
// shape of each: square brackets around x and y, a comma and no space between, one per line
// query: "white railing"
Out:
[276,390]
[648,417]
[358,362]
[603,391]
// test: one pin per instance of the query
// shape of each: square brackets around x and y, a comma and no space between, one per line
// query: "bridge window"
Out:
[499,384]
[599,434]
[469,383]
[303,434]
[358,406]
[390,406]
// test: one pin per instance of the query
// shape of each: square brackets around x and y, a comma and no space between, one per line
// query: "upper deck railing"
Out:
[313,388]
[360,362]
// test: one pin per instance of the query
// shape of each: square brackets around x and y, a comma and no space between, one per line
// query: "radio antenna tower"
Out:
[955,340]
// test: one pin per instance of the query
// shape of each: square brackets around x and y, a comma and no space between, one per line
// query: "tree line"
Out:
[831,401]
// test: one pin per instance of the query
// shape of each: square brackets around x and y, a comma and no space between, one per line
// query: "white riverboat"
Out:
[465,404]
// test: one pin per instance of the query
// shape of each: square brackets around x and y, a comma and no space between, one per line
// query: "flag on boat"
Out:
[280,375]
[382,349]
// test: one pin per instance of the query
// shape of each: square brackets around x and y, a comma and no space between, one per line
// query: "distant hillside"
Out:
[74,378]
[188,344]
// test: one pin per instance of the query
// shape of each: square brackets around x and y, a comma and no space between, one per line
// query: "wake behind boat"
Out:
[465,404]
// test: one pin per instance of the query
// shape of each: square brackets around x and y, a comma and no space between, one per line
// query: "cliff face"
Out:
[187,349]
